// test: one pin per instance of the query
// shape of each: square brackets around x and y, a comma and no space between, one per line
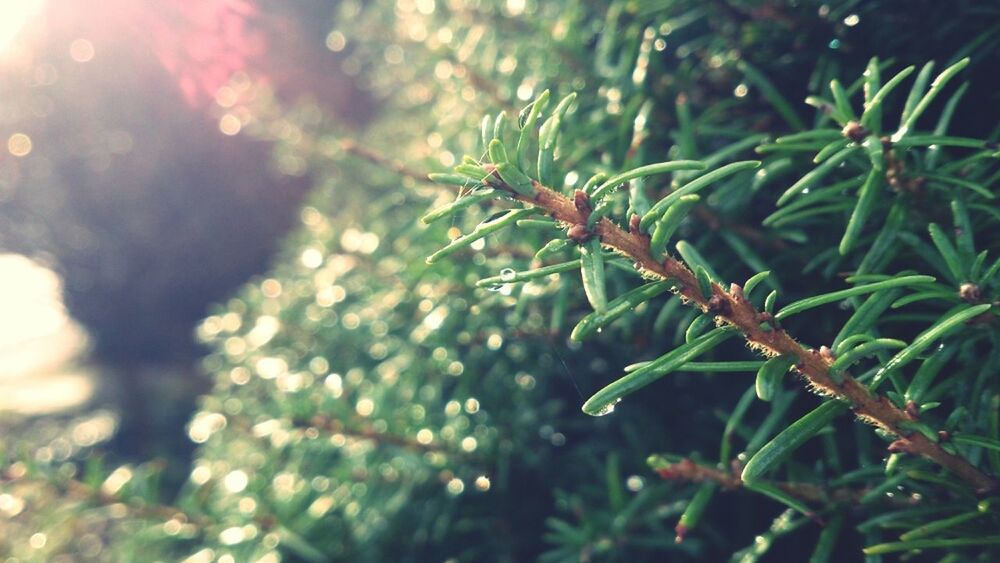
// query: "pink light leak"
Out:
[201,43]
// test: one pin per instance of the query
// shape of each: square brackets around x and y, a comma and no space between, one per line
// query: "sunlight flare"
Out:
[14,15]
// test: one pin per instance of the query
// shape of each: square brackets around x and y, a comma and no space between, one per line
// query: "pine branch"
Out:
[361,431]
[759,329]
[689,471]
[352,147]
[74,489]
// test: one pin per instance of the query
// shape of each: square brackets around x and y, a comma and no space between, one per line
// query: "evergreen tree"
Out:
[644,192]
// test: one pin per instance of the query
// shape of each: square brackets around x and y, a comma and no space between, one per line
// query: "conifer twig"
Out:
[688,471]
[352,147]
[759,329]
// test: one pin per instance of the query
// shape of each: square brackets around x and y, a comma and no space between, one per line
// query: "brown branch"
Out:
[733,308]
[82,492]
[688,471]
[356,429]
[366,432]
[351,147]
[479,83]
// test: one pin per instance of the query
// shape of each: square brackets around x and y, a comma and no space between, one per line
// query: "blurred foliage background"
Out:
[268,370]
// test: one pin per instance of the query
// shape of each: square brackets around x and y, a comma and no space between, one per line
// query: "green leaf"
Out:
[873,83]
[728,151]
[592,272]
[789,439]
[943,140]
[965,242]
[831,148]
[993,424]
[497,152]
[977,265]
[516,179]
[869,119]
[778,494]
[761,544]
[698,326]
[826,135]
[770,375]
[754,281]
[866,200]
[616,308]
[667,225]
[696,261]
[709,367]
[960,182]
[990,272]
[875,151]
[600,403]
[695,509]
[977,441]
[926,373]
[828,539]
[685,124]
[937,526]
[943,327]
[930,544]
[482,230]
[642,171]
[546,224]
[879,491]
[552,247]
[916,91]
[528,275]
[694,186]
[771,94]
[817,174]
[499,127]
[947,250]
[827,108]
[548,136]
[524,160]
[867,349]
[733,422]
[883,248]
[775,418]
[930,160]
[841,101]
[937,86]
[596,179]
[601,210]
[486,131]
[458,205]
[823,299]
[770,300]
[723,367]
[452,179]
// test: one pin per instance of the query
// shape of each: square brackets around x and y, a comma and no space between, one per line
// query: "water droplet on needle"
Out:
[608,409]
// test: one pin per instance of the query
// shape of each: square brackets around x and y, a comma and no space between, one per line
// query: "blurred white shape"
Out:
[14,15]
[39,344]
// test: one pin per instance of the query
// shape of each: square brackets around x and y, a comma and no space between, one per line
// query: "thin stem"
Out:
[688,471]
[352,147]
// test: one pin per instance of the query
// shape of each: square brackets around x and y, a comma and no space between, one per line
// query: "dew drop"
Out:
[508,275]
[608,409]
